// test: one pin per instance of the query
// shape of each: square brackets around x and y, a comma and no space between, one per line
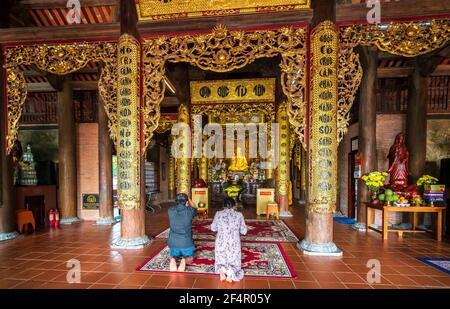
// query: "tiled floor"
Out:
[39,260]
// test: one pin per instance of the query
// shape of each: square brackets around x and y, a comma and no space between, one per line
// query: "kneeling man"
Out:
[180,241]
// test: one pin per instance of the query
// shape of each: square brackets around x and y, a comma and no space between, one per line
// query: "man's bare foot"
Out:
[182,266]
[229,279]
[189,260]
[173,264]
[222,276]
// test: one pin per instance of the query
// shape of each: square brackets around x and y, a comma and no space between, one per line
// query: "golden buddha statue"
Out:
[238,162]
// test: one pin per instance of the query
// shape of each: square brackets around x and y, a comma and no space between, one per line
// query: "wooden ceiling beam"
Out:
[393,10]
[244,21]
[76,32]
[45,4]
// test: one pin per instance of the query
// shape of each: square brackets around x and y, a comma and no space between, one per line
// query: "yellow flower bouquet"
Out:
[374,180]
[427,180]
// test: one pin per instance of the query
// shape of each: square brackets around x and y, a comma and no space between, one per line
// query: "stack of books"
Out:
[434,193]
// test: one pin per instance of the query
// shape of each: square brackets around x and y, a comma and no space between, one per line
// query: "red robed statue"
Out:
[398,164]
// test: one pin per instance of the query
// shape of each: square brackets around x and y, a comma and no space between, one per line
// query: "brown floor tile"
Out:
[113,278]
[430,271]
[350,278]
[182,281]
[324,276]
[232,285]
[29,284]
[357,286]
[91,276]
[426,281]
[443,279]
[101,286]
[49,275]
[400,280]
[306,284]
[305,276]
[157,280]
[281,284]
[206,283]
[256,283]
[136,279]
[9,283]
[27,274]
[332,285]
[407,270]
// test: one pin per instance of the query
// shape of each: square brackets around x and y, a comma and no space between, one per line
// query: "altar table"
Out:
[411,209]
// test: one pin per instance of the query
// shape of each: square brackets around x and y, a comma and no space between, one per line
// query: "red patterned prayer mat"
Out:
[258,230]
[258,260]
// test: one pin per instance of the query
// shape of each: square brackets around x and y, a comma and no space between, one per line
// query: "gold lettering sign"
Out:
[128,145]
[323,118]
[229,91]
[172,9]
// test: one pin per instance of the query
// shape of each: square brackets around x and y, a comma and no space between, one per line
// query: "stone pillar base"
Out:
[328,249]
[70,220]
[286,214]
[8,236]
[105,221]
[359,226]
[135,243]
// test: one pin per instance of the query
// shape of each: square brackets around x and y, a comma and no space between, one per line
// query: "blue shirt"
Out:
[180,218]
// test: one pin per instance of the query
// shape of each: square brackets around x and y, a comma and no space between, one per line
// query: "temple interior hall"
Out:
[325,123]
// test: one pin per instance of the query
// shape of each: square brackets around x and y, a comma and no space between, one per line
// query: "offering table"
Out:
[370,215]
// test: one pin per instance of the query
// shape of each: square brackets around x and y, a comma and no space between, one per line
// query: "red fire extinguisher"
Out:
[57,218]
[51,217]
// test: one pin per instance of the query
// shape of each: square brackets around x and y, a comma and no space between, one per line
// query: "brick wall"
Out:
[87,165]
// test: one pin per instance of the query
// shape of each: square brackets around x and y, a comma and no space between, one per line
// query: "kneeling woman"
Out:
[228,224]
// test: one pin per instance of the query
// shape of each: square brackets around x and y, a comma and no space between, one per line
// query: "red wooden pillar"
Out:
[7,209]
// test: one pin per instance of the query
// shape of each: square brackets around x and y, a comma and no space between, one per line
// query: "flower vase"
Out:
[374,195]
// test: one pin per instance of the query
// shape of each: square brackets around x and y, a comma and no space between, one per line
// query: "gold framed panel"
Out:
[233,90]
[173,9]
[59,59]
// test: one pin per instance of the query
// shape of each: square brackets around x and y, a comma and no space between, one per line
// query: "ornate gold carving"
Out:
[223,51]
[408,39]
[170,9]
[323,118]
[166,122]
[128,103]
[16,94]
[349,77]
[237,90]
[58,59]
[184,162]
[283,166]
